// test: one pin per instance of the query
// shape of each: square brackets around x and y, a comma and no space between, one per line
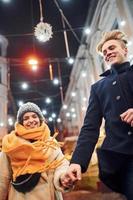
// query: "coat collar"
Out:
[117,69]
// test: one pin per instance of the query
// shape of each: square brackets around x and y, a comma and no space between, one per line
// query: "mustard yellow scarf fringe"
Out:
[27,157]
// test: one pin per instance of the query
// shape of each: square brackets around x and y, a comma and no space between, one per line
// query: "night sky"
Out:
[17,21]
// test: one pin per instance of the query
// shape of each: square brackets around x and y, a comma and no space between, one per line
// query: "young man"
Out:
[111,98]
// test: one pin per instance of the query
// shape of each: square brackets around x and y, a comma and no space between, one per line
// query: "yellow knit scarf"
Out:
[27,157]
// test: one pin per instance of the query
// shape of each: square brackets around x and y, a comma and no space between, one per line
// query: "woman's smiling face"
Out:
[31,120]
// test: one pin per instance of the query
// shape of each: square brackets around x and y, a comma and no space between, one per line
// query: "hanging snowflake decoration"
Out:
[43,31]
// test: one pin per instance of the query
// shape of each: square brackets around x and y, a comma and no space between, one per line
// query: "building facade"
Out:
[3,86]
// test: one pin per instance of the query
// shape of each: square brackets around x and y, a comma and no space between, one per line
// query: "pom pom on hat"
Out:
[29,107]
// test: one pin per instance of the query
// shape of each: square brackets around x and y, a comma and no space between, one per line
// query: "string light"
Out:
[24,86]
[10,121]
[44,112]
[58,120]
[122,23]
[20,103]
[67,114]
[53,115]
[70,61]
[48,100]
[55,81]
[73,94]
[64,106]
[34,67]
[87,31]
[1,124]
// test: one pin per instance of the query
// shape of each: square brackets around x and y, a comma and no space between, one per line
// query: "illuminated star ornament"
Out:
[43,31]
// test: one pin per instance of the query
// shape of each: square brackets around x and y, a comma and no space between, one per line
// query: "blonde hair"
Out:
[111,35]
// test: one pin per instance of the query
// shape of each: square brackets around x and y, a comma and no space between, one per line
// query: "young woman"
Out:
[31,162]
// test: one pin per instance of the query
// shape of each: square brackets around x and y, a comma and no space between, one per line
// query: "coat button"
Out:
[129,133]
[118,98]
[114,83]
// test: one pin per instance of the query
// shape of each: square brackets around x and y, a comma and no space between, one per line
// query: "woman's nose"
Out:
[31,119]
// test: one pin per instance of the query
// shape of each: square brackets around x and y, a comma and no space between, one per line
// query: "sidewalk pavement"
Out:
[86,195]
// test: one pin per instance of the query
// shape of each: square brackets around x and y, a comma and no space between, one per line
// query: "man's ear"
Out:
[126,51]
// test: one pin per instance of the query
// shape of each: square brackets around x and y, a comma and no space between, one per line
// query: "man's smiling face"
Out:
[114,52]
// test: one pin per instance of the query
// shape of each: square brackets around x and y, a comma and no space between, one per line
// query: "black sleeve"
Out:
[89,133]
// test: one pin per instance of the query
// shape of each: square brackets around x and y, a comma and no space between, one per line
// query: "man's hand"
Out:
[127,116]
[72,175]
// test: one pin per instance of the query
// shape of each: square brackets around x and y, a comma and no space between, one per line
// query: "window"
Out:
[115,25]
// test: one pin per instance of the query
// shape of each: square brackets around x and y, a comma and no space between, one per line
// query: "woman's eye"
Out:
[25,119]
[34,116]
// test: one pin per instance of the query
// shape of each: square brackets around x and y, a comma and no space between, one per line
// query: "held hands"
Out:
[72,175]
[127,116]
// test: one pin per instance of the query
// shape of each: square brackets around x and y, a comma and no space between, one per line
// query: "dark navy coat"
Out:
[110,97]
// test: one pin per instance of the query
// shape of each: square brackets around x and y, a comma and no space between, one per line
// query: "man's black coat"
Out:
[110,97]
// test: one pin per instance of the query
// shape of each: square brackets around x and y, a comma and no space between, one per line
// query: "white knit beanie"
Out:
[29,107]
